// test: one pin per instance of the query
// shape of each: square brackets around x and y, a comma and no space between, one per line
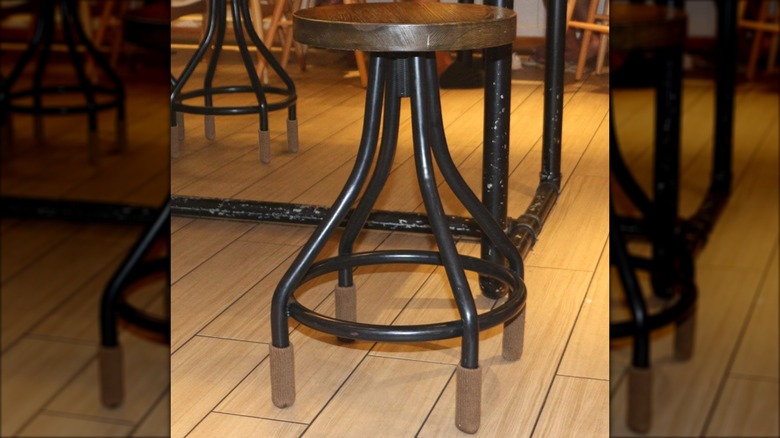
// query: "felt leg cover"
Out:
[346,306]
[292,135]
[684,336]
[512,342]
[346,303]
[282,376]
[210,127]
[468,399]
[111,376]
[640,399]
[174,143]
[264,138]
[180,125]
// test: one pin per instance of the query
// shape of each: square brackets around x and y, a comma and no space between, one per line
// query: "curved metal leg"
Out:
[281,358]
[468,393]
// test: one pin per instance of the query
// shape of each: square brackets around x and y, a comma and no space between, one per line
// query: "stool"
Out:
[660,30]
[113,97]
[402,38]
[214,38]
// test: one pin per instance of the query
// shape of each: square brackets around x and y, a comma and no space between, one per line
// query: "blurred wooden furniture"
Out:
[595,22]
[765,23]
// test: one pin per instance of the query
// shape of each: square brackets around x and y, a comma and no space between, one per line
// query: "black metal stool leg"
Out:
[493,232]
[281,353]
[189,69]
[84,82]
[110,355]
[264,136]
[292,121]
[217,17]
[640,377]
[103,64]
[46,18]
[468,398]
[345,292]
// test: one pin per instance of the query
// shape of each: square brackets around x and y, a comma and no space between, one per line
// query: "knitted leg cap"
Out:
[512,342]
[264,138]
[346,303]
[209,127]
[684,336]
[282,376]
[640,399]
[292,135]
[111,378]
[468,399]
[175,148]
[180,126]
[346,306]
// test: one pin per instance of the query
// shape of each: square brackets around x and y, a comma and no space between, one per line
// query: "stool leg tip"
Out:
[684,336]
[512,341]
[264,138]
[175,147]
[292,135]
[640,399]
[180,126]
[468,399]
[346,305]
[282,364]
[111,379]
[210,128]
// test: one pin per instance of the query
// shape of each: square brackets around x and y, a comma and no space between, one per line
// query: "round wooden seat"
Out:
[646,27]
[404,27]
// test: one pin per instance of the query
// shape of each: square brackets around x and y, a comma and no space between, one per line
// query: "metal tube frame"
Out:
[389,75]
[675,241]
[522,230]
[42,40]
[217,24]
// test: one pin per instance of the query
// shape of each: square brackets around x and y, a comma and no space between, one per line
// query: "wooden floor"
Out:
[224,273]
[730,387]
[53,273]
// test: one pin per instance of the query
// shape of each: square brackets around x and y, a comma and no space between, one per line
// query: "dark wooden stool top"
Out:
[404,27]
[640,26]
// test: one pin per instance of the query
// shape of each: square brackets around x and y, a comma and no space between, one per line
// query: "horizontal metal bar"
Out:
[40,208]
[310,215]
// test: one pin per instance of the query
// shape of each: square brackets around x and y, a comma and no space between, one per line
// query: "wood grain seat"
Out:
[404,27]
[646,27]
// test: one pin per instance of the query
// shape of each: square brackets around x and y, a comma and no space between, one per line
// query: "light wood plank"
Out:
[575,407]
[747,408]
[51,425]
[587,353]
[158,421]
[31,295]
[201,295]
[194,364]
[199,240]
[249,317]
[387,395]
[758,352]
[216,424]
[23,244]
[33,371]
[514,392]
